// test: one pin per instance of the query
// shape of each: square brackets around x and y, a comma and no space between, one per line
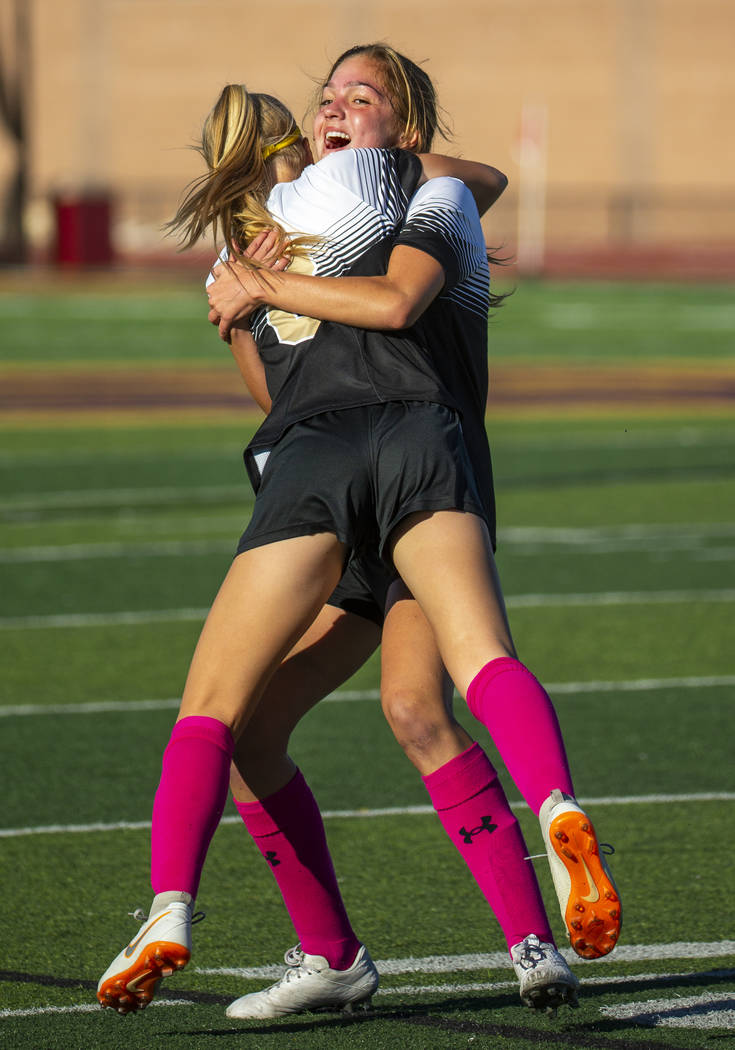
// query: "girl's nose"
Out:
[333,108]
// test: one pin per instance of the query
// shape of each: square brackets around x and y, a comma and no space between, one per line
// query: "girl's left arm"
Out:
[484,182]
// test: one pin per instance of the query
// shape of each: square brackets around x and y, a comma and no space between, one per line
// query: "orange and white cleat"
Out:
[588,897]
[162,946]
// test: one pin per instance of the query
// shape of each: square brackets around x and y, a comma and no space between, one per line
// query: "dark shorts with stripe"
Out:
[357,472]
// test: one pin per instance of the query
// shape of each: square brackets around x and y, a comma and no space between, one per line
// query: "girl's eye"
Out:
[325,102]
[361,101]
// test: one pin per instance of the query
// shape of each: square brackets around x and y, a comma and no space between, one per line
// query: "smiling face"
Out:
[355,110]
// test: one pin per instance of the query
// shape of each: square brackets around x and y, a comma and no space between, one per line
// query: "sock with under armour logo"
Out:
[518,714]
[191,796]
[288,830]
[474,812]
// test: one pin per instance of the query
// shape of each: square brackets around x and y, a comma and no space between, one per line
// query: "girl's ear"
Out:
[409,140]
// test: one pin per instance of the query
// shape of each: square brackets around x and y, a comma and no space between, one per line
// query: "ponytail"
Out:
[241,135]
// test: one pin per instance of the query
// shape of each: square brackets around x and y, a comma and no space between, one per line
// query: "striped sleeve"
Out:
[442,220]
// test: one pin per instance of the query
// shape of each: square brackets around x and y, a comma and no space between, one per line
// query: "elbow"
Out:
[499,183]
[400,313]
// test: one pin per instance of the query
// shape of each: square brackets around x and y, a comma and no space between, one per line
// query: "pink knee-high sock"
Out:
[517,712]
[288,830]
[474,812]
[189,802]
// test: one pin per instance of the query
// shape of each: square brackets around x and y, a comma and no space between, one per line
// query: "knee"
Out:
[416,726]
[254,758]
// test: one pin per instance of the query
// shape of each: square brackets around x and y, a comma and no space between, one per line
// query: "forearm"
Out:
[391,301]
[247,358]
[363,302]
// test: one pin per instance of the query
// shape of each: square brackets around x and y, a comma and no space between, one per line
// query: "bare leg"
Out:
[335,646]
[269,597]
[503,695]
[276,803]
[416,692]
[474,639]
[462,784]
[446,560]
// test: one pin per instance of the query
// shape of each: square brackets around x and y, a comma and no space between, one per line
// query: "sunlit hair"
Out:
[410,90]
[230,197]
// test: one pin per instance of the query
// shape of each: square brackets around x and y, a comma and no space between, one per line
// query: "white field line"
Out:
[81,1008]
[633,685]
[71,498]
[707,1010]
[452,964]
[518,601]
[624,953]
[596,540]
[367,814]
[107,551]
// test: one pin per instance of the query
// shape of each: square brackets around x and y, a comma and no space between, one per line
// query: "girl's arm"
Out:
[484,182]
[393,300]
[251,367]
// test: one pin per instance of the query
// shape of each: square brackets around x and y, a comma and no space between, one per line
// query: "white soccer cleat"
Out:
[546,980]
[310,983]
[588,897]
[163,945]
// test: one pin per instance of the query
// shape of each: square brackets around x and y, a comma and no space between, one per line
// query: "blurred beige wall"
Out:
[637,98]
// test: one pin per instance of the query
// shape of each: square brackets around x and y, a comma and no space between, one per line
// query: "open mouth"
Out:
[336,140]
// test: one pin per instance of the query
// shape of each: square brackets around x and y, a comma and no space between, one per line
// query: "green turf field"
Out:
[617,544]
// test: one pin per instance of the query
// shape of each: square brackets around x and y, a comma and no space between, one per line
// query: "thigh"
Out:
[269,597]
[333,648]
[447,561]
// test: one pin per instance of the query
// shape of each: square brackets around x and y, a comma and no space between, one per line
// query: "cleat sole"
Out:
[134,988]
[593,914]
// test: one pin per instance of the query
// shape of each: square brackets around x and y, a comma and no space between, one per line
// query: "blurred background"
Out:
[612,118]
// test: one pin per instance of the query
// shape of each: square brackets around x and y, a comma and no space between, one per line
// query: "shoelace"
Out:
[140,916]
[294,960]
[531,953]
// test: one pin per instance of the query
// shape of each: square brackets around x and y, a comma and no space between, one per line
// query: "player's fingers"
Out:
[252,249]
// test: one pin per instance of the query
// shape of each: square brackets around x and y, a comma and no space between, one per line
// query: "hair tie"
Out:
[276,146]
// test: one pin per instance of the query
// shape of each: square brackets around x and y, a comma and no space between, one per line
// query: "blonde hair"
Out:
[410,89]
[240,138]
